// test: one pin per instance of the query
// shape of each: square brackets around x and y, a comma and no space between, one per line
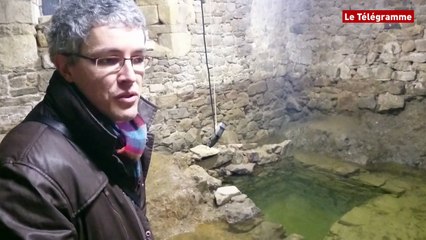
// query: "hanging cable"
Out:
[214,82]
[220,128]
[207,65]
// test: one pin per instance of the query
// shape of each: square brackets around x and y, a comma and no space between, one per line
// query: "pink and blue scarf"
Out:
[133,136]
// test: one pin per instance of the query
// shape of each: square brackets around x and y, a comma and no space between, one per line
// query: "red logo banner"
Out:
[378,16]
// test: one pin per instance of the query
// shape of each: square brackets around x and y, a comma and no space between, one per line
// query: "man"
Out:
[75,167]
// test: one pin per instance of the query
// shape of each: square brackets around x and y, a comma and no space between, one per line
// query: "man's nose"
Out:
[127,70]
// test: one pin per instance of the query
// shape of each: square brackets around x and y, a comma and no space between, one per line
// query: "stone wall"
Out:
[246,76]
[274,61]
[376,67]
[19,61]
[271,62]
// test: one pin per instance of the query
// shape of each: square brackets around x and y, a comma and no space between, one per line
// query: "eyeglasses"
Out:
[114,63]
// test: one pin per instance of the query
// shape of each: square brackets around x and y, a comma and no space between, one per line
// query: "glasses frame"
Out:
[146,61]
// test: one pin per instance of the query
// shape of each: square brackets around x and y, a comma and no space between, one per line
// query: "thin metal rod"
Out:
[207,65]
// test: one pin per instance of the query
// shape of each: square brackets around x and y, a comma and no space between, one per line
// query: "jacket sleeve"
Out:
[31,207]
[146,157]
[146,160]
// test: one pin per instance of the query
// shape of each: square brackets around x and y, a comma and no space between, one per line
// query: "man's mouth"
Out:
[127,97]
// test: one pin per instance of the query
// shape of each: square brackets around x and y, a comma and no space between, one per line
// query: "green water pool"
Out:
[305,202]
[374,204]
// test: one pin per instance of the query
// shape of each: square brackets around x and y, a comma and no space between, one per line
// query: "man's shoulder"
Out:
[41,146]
[36,150]
[31,142]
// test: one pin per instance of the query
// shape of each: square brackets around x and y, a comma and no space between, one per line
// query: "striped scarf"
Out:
[133,135]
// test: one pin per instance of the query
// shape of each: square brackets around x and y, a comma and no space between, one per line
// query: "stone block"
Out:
[421,45]
[395,88]
[41,39]
[232,95]
[367,102]
[168,14]
[4,85]
[156,88]
[322,101]
[32,79]
[421,19]
[387,57]
[417,89]
[408,46]
[234,114]
[242,100]
[186,13]
[410,32]
[420,66]
[35,11]
[178,43]
[43,80]
[45,61]
[404,76]
[157,51]
[256,88]
[344,71]
[44,20]
[371,57]
[355,60]
[382,73]
[17,11]
[178,113]
[385,37]
[151,14]
[224,194]
[403,66]
[204,151]
[417,57]
[13,56]
[16,29]
[392,47]
[226,105]
[18,81]
[421,77]
[23,91]
[388,101]
[166,101]
[185,125]
[19,101]
[365,72]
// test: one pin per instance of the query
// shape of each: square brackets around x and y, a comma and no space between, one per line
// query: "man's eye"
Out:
[138,60]
[108,61]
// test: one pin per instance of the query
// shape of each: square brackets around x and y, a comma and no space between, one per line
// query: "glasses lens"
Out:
[140,63]
[109,62]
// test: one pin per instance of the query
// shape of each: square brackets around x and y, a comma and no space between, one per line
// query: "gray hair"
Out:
[71,23]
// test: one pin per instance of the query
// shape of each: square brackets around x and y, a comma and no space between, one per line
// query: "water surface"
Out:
[304,201]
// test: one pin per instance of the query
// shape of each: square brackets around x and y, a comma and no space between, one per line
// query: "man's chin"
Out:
[125,116]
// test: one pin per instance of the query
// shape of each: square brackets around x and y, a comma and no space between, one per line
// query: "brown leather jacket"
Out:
[60,177]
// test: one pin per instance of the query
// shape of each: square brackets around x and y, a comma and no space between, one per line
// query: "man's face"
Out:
[113,93]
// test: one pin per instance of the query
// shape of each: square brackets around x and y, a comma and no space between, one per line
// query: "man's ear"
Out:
[63,66]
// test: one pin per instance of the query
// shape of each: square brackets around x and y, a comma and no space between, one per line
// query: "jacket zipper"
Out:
[124,230]
[146,234]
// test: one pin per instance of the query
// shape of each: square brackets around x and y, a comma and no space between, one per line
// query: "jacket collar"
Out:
[91,130]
